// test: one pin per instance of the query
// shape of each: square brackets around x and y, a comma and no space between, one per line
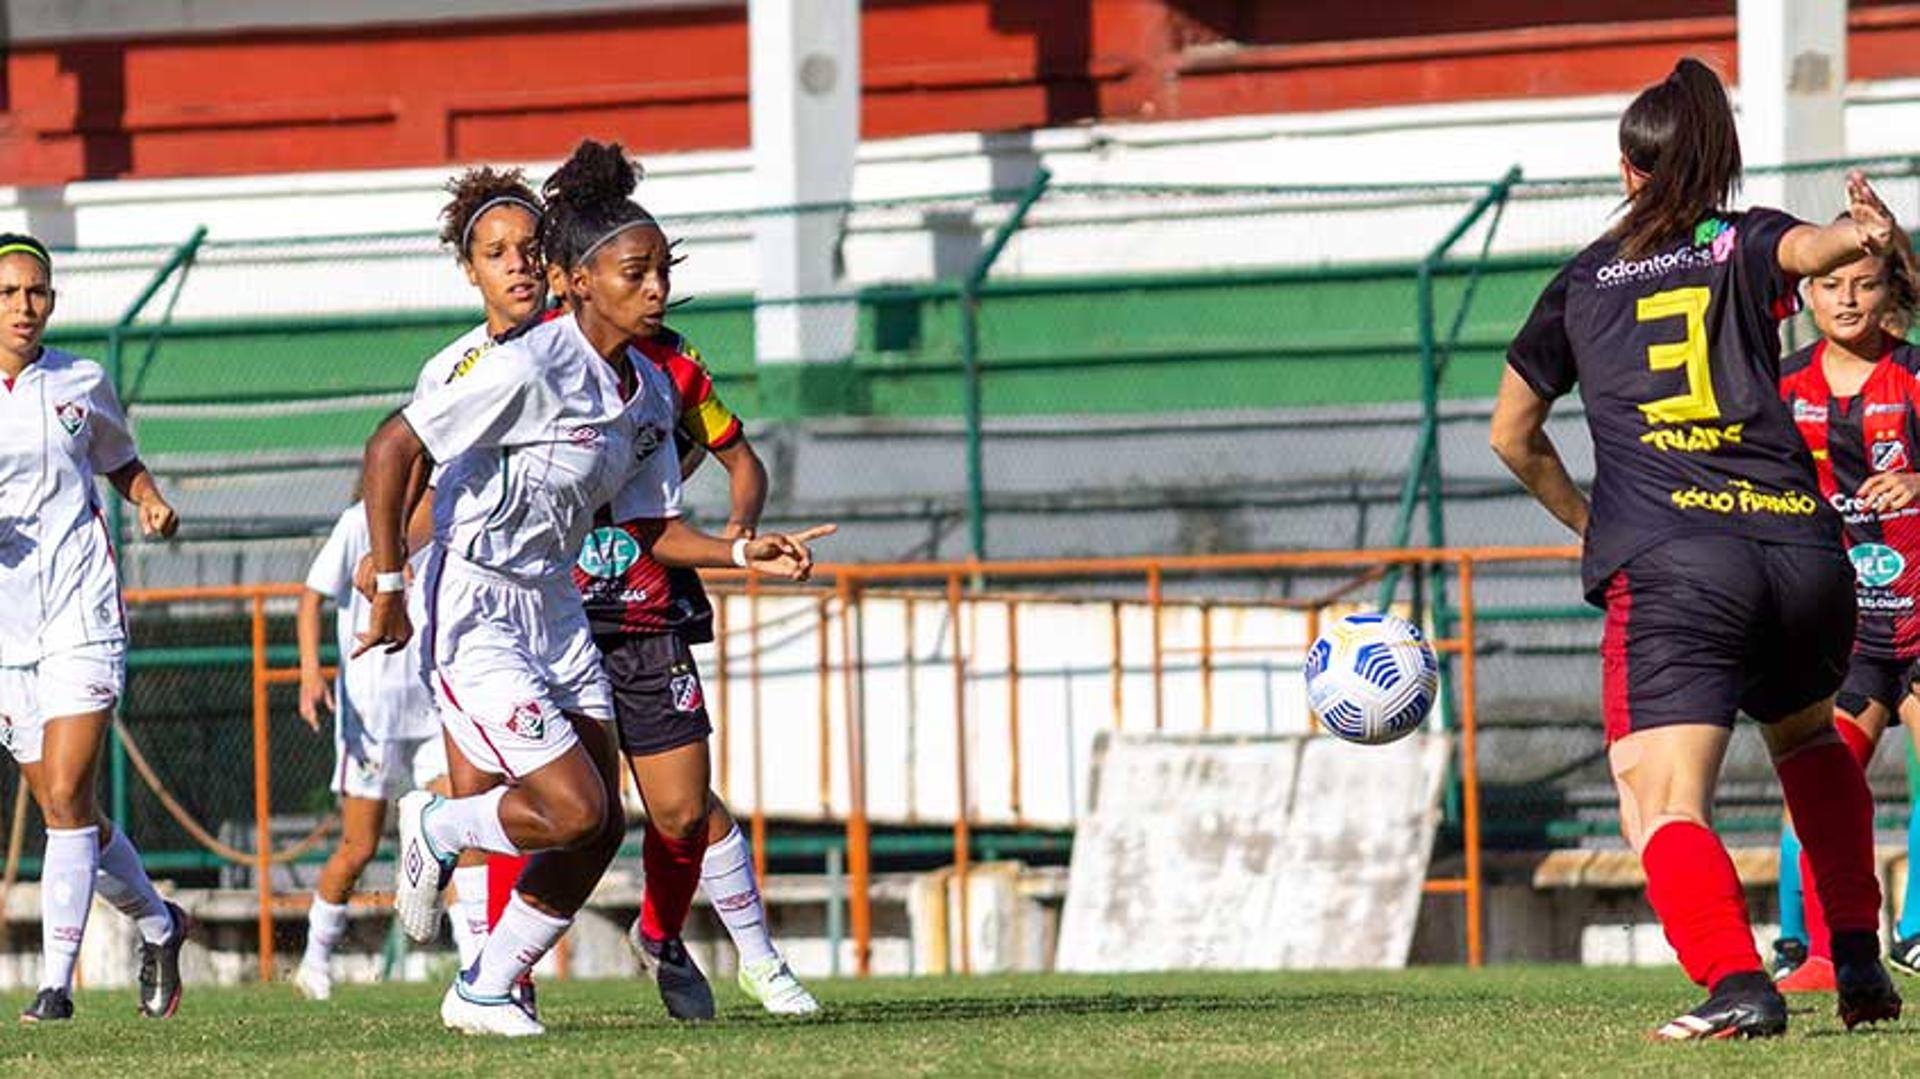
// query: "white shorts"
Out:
[509,661]
[88,678]
[383,769]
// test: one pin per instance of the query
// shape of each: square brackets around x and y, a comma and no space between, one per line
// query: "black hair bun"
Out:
[598,173]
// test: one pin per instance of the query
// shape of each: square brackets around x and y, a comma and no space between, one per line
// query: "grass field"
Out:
[1513,1021]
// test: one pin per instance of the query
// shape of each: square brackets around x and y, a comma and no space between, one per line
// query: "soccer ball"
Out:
[1371,678]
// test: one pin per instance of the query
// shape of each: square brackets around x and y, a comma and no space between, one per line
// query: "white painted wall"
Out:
[250,269]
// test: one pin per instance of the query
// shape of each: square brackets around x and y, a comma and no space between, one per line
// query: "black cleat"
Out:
[1788,956]
[526,996]
[1905,955]
[160,969]
[1866,993]
[1741,1006]
[50,1006]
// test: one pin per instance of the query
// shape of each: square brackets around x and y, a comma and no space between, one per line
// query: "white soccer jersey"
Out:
[60,426]
[448,364]
[534,436]
[385,693]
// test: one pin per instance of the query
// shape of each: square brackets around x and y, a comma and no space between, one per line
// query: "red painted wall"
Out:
[677,80]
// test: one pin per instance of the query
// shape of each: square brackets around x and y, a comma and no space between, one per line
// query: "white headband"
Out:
[466,234]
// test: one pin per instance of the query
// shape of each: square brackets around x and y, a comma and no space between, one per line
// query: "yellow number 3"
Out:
[1698,402]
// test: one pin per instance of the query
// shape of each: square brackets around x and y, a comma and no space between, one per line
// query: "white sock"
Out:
[66,895]
[469,912]
[726,875]
[326,924]
[457,824]
[122,881]
[517,942]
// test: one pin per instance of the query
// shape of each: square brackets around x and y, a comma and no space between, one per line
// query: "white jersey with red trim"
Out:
[533,437]
[61,425]
[383,693]
[456,359]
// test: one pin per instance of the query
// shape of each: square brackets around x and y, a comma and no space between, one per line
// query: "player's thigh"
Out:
[659,703]
[1665,774]
[361,821]
[1675,647]
[1804,643]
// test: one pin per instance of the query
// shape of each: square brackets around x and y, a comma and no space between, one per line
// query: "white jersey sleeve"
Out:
[111,447]
[652,492]
[500,402]
[331,574]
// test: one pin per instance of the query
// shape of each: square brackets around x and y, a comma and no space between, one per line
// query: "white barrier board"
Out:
[1251,853]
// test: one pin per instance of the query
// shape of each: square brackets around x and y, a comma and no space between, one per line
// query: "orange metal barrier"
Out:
[844,600]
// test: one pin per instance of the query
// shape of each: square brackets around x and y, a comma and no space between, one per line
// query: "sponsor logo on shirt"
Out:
[72,417]
[528,721]
[1884,408]
[468,359]
[1626,273]
[1806,413]
[608,553]
[1717,237]
[1693,438]
[1744,498]
[1889,455]
[1876,564]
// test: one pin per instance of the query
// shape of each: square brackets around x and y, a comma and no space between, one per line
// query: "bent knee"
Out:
[575,817]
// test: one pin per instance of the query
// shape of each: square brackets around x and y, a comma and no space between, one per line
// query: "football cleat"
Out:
[49,1006]
[771,982]
[313,982]
[422,873]
[524,994]
[1905,955]
[1745,1010]
[1788,955]
[160,968]
[1813,976]
[497,1016]
[1867,994]
[683,989]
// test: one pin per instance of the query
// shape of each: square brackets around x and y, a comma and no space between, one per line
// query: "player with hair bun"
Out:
[1856,400]
[646,615]
[552,423]
[63,630]
[1707,541]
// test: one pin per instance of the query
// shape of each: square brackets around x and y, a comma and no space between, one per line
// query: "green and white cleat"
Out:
[498,1017]
[314,983]
[771,982]
[422,873]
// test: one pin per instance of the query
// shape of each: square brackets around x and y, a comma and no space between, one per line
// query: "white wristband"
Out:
[740,552]
[390,582]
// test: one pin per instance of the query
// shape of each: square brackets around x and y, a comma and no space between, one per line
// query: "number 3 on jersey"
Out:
[1690,354]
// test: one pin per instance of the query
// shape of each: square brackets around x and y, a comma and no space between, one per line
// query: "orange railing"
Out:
[954,585]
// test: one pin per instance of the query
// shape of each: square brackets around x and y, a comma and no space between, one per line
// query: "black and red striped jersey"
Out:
[1677,358]
[626,590]
[1851,438]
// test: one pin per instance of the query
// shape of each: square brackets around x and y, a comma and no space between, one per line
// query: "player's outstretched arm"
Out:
[1518,435]
[136,485]
[746,487]
[673,542]
[390,459]
[1868,229]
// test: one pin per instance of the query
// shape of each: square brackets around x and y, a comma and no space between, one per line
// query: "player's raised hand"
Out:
[781,555]
[1870,215]
[157,519]
[388,627]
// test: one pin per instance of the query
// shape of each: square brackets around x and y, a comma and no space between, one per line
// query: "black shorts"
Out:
[1875,680]
[658,702]
[1700,628]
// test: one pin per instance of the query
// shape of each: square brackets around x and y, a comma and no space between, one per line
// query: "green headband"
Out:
[26,249]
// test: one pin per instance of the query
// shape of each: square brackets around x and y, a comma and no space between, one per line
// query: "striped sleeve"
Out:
[703,416]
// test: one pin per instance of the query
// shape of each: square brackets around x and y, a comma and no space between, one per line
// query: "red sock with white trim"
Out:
[1832,807]
[503,876]
[1692,886]
[672,869]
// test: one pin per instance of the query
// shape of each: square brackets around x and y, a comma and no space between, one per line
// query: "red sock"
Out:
[672,868]
[503,874]
[1695,891]
[1819,937]
[1832,810]
[1857,740]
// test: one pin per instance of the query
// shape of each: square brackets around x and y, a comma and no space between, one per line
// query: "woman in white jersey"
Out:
[63,629]
[539,433]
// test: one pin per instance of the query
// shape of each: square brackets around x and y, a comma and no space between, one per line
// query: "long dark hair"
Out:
[1680,133]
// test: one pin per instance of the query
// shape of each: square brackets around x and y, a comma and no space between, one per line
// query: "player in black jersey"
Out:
[1720,567]
[1856,399]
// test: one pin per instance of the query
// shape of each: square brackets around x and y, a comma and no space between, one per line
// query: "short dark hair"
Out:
[1680,133]
[473,191]
[21,243]
[589,198]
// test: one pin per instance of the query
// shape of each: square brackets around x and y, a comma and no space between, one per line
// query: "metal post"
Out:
[970,357]
[1470,768]
[962,811]
[859,842]
[262,789]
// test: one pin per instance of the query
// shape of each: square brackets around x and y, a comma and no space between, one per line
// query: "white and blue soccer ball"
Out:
[1372,678]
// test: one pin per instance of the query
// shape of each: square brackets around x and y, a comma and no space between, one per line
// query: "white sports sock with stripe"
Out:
[468,912]
[66,896]
[473,823]
[123,882]
[519,939]
[326,924]
[726,875]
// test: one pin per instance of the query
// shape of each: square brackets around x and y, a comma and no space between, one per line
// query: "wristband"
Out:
[390,582]
[740,552]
